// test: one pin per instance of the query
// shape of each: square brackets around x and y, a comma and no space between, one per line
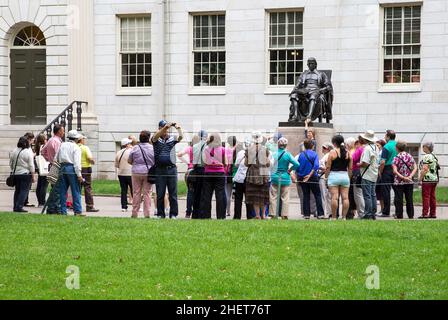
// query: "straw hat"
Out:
[369,135]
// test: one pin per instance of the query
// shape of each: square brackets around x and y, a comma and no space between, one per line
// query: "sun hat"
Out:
[125,142]
[369,135]
[257,137]
[74,135]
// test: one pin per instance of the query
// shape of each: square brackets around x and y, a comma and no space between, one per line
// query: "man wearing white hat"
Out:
[69,157]
[369,165]
[124,172]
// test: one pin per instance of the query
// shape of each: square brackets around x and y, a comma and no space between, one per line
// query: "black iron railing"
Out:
[65,118]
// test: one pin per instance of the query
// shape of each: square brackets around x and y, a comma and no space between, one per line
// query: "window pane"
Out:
[406,76]
[221,80]
[124,81]
[406,64]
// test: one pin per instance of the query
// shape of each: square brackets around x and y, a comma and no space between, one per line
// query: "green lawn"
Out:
[112,188]
[441,195]
[152,259]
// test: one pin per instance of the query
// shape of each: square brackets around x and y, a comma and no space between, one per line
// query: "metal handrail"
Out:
[65,118]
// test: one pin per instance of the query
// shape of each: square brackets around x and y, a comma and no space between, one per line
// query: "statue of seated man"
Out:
[312,97]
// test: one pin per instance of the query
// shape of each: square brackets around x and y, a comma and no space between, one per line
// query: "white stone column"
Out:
[81,80]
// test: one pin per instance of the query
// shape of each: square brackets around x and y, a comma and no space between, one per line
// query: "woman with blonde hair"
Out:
[281,180]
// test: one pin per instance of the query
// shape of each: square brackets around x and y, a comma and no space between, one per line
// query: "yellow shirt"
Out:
[86,154]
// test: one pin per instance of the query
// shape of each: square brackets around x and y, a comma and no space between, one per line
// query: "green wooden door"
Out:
[28,86]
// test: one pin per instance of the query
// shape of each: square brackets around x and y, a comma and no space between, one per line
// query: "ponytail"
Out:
[338,141]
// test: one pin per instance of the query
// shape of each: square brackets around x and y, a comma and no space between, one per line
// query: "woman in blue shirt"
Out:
[281,180]
[308,177]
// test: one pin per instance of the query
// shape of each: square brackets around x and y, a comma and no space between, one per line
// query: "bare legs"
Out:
[335,193]
[257,208]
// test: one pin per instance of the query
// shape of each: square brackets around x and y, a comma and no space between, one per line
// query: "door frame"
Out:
[16,29]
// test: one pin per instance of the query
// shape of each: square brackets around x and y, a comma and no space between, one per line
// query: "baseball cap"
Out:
[162,123]
[125,142]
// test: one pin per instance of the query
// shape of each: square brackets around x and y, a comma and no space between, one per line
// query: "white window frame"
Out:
[396,87]
[206,90]
[286,89]
[121,91]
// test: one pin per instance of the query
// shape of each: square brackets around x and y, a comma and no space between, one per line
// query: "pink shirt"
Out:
[214,159]
[357,157]
[229,157]
[51,148]
[189,150]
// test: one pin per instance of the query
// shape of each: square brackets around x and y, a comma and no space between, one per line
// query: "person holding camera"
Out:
[166,169]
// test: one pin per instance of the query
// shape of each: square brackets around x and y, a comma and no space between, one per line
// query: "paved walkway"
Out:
[110,207]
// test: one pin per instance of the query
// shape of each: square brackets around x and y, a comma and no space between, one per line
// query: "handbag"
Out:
[42,165]
[151,171]
[359,177]
[53,173]
[11,181]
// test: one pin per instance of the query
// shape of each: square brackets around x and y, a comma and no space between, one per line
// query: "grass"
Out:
[152,259]
[441,195]
[112,188]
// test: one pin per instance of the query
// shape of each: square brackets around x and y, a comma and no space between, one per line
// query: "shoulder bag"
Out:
[11,181]
[53,173]
[151,171]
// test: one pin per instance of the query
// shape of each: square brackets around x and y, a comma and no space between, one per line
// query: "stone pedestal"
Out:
[295,133]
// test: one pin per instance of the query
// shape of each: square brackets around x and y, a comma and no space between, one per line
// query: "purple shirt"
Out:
[136,156]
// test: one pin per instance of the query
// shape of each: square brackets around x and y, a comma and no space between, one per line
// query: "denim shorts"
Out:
[338,179]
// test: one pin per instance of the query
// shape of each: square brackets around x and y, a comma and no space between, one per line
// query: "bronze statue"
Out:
[312,97]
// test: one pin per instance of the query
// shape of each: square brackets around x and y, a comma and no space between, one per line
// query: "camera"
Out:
[174,124]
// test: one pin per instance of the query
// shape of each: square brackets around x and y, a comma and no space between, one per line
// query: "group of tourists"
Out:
[346,182]
[34,157]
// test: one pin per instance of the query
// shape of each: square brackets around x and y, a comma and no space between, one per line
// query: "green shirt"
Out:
[389,152]
[431,161]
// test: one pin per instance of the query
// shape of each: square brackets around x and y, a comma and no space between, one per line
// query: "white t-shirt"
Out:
[370,156]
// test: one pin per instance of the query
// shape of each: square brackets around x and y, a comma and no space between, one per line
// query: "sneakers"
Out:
[423,217]
[124,210]
[21,211]
[173,218]
[93,210]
